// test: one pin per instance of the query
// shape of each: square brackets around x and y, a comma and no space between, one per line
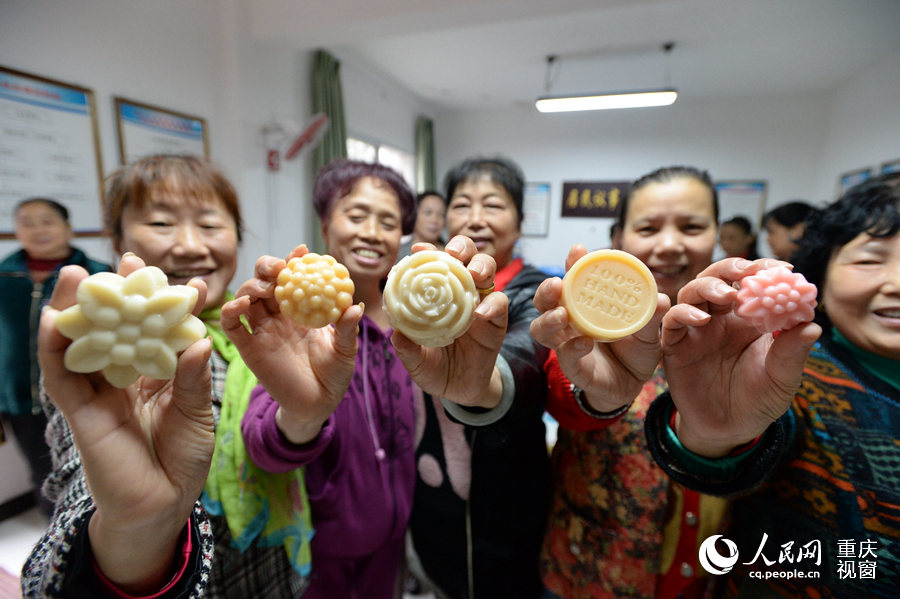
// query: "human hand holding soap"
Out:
[129,326]
[430,297]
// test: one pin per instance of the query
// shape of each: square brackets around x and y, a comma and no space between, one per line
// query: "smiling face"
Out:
[862,293]
[429,219]
[42,231]
[670,226]
[185,239]
[485,212]
[363,230]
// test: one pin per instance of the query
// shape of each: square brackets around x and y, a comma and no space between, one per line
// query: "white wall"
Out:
[195,57]
[15,477]
[378,108]
[775,139]
[864,124]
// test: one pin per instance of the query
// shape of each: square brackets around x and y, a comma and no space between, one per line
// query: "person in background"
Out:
[429,227]
[27,279]
[617,526]
[784,226]
[130,464]
[737,239]
[483,481]
[337,401]
[802,433]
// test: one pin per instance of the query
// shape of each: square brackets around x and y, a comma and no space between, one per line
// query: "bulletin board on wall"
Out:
[144,130]
[49,147]
[536,210]
[742,198]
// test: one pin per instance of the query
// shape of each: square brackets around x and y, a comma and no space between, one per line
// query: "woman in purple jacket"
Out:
[338,401]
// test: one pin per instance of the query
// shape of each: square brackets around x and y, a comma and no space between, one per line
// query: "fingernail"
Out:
[128,254]
[455,245]
[724,289]
[483,309]
[698,314]
[741,263]
[477,266]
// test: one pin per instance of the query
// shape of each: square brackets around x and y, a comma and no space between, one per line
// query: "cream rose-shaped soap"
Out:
[776,299]
[314,290]
[430,297]
[129,326]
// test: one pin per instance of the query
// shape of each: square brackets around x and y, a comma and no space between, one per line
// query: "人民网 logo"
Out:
[713,561]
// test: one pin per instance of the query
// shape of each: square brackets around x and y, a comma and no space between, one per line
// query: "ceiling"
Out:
[464,54]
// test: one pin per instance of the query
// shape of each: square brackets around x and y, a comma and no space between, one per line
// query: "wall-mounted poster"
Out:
[536,210]
[145,130]
[742,198]
[890,167]
[852,178]
[49,147]
[592,198]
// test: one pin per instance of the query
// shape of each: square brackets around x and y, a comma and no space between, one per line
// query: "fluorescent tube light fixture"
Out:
[607,101]
[664,96]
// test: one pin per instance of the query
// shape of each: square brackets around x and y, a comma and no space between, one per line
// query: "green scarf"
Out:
[255,503]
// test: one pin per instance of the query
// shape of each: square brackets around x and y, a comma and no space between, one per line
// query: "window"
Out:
[402,162]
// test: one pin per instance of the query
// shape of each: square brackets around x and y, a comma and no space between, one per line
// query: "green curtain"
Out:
[425,170]
[328,98]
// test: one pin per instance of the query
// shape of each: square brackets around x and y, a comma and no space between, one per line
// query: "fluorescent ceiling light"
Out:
[608,101]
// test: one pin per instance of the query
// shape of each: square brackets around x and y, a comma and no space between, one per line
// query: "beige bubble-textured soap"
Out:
[314,290]
[609,294]
[129,326]
[430,297]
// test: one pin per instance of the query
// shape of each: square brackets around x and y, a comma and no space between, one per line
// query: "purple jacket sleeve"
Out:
[267,447]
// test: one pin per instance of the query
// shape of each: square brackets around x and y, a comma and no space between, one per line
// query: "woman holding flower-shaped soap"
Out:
[131,461]
[802,429]
[483,472]
[337,401]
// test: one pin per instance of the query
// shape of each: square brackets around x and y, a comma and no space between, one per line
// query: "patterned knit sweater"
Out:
[60,565]
[820,494]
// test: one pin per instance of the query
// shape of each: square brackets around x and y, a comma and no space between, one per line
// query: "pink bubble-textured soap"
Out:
[314,290]
[129,326]
[430,297]
[776,299]
[609,294]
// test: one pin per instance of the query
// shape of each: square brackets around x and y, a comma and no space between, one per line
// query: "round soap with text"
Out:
[314,290]
[430,297]
[609,294]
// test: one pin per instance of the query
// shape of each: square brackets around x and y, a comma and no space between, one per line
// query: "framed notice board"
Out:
[49,146]
[145,130]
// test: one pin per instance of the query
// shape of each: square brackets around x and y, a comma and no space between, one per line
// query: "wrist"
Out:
[705,445]
[136,559]
[603,409]
[295,428]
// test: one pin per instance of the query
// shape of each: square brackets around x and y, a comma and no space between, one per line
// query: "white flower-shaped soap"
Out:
[776,299]
[314,290]
[430,297]
[129,326]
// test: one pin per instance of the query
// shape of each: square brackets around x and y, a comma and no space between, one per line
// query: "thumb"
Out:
[192,386]
[789,352]
[346,330]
